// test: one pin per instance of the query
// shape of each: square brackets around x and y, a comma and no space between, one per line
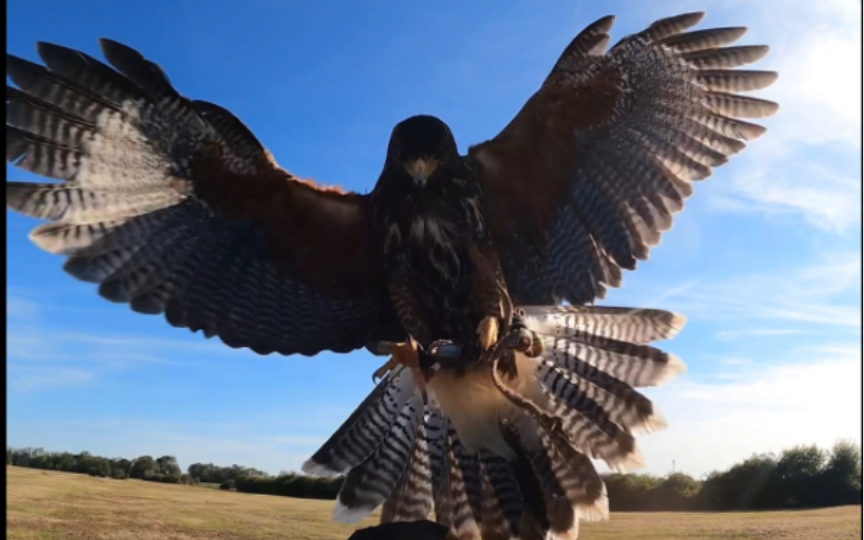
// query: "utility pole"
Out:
[673,466]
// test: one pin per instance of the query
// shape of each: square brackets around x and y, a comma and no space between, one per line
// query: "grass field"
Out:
[45,505]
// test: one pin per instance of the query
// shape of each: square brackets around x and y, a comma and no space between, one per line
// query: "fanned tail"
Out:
[442,459]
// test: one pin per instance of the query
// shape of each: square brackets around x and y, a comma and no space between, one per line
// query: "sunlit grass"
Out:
[47,505]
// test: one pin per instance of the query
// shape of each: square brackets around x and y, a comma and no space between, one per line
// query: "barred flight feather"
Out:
[174,207]
[444,458]
[362,433]
[370,483]
[612,143]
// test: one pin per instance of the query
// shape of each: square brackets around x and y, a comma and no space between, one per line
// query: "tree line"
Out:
[799,477]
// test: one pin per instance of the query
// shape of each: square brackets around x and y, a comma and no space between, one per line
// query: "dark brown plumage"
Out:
[427,205]
[173,206]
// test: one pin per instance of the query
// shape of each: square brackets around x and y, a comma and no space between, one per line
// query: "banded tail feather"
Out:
[482,467]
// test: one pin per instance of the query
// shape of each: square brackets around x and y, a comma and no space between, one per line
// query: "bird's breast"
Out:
[472,402]
[425,243]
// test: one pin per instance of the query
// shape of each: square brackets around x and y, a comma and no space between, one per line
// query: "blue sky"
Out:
[765,259]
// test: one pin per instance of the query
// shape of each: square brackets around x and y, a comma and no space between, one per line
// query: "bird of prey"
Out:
[173,206]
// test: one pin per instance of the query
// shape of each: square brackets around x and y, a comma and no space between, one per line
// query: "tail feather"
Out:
[462,491]
[636,326]
[619,402]
[579,480]
[586,377]
[637,365]
[363,432]
[372,482]
[498,518]
[560,485]
[436,427]
[503,491]
[593,433]
[412,498]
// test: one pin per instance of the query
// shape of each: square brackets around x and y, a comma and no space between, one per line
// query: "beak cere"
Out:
[421,169]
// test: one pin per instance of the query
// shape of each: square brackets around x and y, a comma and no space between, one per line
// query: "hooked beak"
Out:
[421,169]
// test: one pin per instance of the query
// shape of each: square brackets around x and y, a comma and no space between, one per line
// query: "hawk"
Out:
[477,272]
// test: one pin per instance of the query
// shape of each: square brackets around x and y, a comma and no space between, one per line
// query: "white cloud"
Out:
[807,162]
[760,407]
[768,187]
[820,293]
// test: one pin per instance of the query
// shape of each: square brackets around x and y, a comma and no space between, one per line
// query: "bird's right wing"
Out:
[173,206]
[589,173]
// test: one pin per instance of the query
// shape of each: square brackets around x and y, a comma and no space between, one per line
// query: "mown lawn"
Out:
[45,505]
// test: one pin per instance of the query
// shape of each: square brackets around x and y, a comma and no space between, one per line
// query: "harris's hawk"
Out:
[173,206]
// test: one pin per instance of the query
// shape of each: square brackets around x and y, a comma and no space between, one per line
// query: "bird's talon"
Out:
[382,371]
[487,331]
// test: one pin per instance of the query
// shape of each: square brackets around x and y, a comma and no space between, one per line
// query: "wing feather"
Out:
[173,206]
[587,176]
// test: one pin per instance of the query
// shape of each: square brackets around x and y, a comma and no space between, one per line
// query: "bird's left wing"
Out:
[587,176]
[173,206]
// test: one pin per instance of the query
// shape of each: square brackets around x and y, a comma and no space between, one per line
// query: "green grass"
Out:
[47,505]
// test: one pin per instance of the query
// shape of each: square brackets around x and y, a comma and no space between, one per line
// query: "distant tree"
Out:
[801,476]
[839,482]
[196,470]
[188,479]
[144,467]
[99,466]
[169,469]
[64,461]
[629,492]
[796,474]
[82,462]
[228,485]
[676,492]
[746,485]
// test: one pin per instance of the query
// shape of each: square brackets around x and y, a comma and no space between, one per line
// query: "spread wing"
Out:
[587,176]
[174,207]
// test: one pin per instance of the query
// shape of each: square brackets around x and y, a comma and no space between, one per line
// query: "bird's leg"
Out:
[495,300]
[404,354]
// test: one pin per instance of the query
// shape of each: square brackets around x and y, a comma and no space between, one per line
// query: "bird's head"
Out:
[419,146]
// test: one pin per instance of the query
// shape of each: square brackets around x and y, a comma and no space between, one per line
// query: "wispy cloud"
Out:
[816,49]
[824,293]
[811,396]
[731,335]
[19,307]
[22,378]
[42,356]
